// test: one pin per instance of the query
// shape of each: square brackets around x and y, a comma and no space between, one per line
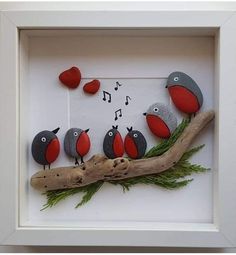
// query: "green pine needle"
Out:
[156,180]
[192,151]
[172,178]
[94,187]
[56,196]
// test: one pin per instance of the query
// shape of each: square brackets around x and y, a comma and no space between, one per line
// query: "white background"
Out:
[141,64]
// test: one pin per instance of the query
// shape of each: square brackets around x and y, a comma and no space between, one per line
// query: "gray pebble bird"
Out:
[135,144]
[161,120]
[113,145]
[45,147]
[77,143]
[184,92]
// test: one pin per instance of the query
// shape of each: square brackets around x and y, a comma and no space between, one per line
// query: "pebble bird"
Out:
[184,92]
[45,147]
[77,143]
[135,144]
[161,120]
[113,145]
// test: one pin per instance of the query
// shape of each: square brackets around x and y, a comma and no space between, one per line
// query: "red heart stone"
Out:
[71,77]
[92,87]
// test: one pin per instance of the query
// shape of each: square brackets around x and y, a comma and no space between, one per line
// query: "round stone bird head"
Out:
[161,120]
[45,147]
[184,92]
[135,144]
[113,145]
[77,143]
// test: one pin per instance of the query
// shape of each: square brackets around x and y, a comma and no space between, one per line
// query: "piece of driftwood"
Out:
[100,167]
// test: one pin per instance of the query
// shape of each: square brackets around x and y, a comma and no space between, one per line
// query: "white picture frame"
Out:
[222,23]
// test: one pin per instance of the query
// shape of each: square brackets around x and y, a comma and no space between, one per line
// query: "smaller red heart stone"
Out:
[92,87]
[71,77]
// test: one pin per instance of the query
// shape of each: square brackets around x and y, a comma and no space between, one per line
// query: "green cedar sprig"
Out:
[56,196]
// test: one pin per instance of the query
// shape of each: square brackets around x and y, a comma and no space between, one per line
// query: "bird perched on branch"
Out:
[135,144]
[77,143]
[45,147]
[161,120]
[113,145]
[184,92]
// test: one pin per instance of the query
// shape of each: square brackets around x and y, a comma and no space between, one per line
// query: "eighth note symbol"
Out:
[117,85]
[104,96]
[116,114]
[127,100]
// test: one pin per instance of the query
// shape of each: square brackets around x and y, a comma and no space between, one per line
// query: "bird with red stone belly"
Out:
[161,120]
[184,92]
[45,147]
[135,144]
[77,143]
[113,145]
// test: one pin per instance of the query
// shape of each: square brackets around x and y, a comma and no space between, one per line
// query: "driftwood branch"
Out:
[100,167]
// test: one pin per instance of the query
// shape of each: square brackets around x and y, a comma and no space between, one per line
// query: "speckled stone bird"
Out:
[45,147]
[77,143]
[161,120]
[135,144]
[184,92]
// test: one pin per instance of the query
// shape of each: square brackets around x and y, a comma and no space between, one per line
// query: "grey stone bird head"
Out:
[163,112]
[70,141]
[182,79]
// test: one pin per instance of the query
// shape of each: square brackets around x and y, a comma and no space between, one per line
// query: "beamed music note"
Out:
[105,95]
[118,113]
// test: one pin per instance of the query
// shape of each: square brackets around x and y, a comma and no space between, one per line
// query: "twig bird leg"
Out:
[76,161]
[82,160]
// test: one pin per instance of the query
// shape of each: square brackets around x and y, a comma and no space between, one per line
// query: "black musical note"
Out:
[104,96]
[126,100]
[117,85]
[116,114]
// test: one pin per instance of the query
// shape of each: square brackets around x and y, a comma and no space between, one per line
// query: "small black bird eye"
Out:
[176,78]
[43,139]
[156,109]
[135,135]
[110,133]
[75,133]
